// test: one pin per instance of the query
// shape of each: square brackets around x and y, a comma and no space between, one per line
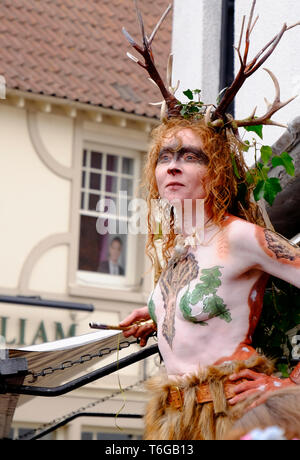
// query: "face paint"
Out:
[186,154]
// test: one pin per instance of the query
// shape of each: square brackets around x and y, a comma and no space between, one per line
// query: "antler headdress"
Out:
[216,116]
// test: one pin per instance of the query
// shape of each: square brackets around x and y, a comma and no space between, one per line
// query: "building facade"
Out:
[75,129]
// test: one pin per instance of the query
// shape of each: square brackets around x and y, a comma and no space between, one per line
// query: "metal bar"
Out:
[73,417]
[81,381]
[37,301]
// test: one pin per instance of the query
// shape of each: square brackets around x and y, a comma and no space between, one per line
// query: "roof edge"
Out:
[12,92]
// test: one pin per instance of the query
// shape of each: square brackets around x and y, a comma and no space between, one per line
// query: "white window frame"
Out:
[130,280]
[95,430]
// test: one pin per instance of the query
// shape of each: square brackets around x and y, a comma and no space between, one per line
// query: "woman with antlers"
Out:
[209,290]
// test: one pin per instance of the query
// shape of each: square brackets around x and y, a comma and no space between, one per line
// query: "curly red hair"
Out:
[223,188]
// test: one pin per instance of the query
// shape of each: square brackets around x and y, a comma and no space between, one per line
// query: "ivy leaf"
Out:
[193,109]
[267,189]
[256,129]
[266,153]
[272,188]
[258,192]
[286,161]
[189,94]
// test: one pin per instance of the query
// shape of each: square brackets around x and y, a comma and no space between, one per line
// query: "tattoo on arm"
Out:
[278,247]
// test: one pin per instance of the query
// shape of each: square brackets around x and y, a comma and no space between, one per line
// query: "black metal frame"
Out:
[80,381]
[37,301]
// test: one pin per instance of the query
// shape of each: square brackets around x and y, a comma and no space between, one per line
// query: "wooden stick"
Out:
[118,328]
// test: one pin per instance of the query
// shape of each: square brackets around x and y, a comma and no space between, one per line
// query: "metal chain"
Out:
[83,359]
[81,409]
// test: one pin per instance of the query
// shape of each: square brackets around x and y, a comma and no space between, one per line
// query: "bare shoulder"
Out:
[235,238]
[239,230]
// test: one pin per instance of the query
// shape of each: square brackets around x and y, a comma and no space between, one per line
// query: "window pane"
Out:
[48,437]
[112,249]
[86,436]
[83,179]
[113,436]
[82,201]
[111,203]
[112,163]
[93,200]
[95,181]
[102,249]
[123,206]
[96,160]
[127,166]
[126,185]
[84,159]
[111,184]
[89,244]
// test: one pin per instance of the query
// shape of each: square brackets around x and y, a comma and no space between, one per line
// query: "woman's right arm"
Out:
[142,332]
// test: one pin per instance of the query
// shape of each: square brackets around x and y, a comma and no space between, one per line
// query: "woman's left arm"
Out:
[272,254]
[282,260]
[275,255]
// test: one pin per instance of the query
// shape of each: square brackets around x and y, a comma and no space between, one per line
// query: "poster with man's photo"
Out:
[112,254]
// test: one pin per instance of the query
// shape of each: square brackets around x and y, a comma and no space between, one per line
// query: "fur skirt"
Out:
[197,421]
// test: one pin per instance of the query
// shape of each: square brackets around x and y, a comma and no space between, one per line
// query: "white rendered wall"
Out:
[196,46]
[34,202]
[284,62]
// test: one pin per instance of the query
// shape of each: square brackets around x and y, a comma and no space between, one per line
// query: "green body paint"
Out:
[151,309]
[206,291]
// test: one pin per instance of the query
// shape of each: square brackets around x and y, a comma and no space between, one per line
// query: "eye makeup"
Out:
[187,154]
